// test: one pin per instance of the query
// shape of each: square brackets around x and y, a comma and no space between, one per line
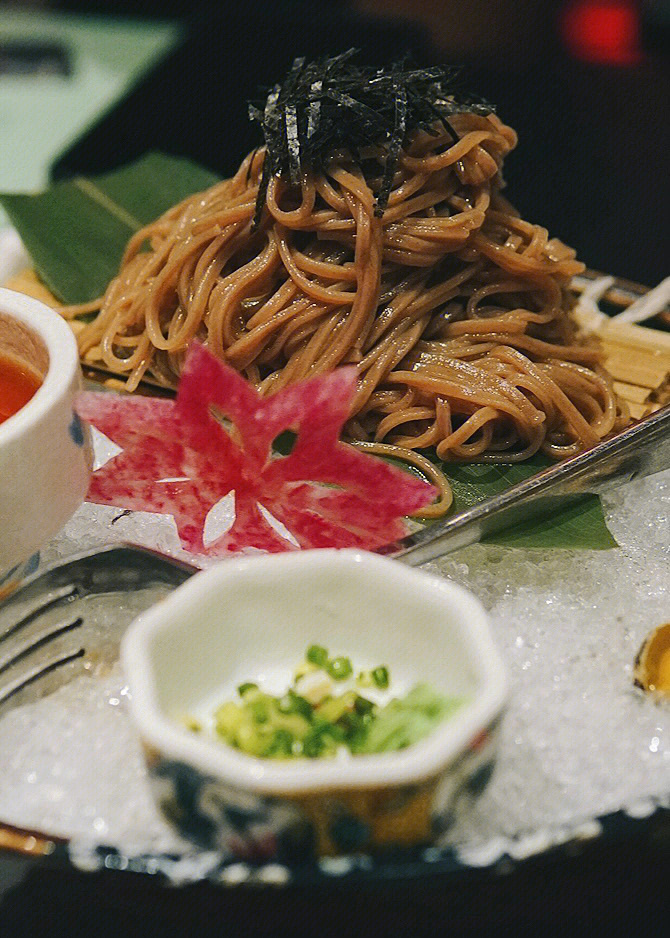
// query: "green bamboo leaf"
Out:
[580,525]
[76,233]
[577,526]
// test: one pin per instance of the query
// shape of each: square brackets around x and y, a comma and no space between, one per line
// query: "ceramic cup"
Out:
[251,618]
[45,453]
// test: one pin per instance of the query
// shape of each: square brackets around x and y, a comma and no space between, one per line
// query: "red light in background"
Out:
[607,33]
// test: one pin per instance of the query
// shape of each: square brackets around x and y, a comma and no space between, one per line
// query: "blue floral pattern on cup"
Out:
[257,828]
[230,821]
[76,430]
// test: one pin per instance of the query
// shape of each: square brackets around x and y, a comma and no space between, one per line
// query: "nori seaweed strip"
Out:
[314,109]
[333,104]
[291,120]
[454,135]
[393,150]
[262,192]
[268,167]
[293,142]
[251,163]
[369,117]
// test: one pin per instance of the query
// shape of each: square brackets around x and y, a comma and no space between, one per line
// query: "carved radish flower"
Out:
[181,457]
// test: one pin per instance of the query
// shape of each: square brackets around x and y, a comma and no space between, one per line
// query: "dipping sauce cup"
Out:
[45,453]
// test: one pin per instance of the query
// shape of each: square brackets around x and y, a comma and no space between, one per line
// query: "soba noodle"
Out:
[454,310]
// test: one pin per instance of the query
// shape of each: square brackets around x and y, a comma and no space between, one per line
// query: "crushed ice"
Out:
[578,739]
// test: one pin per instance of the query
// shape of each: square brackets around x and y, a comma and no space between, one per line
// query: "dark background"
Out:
[585,83]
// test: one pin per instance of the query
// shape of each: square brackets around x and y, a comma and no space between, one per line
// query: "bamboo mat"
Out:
[637,357]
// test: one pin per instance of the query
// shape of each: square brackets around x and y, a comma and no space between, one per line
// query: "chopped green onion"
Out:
[380,676]
[294,703]
[282,743]
[292,722]
[362,705]
[306,667]
[318,655]
[312,744]
[339,668]
[332,730]
[364,679]
[243,688]
[228,718]
[292,726]
[260,710]
[333,708]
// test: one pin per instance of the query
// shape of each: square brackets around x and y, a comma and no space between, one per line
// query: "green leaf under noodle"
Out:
[76,233]
[77,230]
[578,526]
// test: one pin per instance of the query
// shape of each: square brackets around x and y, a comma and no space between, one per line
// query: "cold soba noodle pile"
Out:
[371,230]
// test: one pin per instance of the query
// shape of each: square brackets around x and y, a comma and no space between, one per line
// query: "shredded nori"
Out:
[332,104]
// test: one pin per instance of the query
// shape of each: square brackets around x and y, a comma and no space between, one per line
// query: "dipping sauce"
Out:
[18,383]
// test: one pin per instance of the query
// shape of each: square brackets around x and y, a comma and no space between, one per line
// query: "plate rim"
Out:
[500,855]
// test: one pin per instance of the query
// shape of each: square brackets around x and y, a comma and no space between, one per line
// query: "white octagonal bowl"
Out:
[251,619]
